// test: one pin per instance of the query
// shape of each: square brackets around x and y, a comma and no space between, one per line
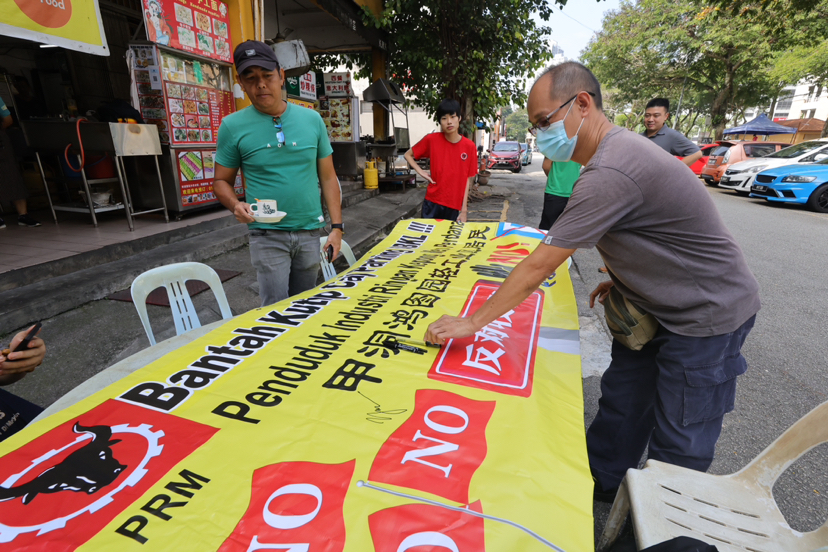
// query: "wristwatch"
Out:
[339,225]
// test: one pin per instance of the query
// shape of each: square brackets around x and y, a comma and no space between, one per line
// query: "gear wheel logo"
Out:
[54,476]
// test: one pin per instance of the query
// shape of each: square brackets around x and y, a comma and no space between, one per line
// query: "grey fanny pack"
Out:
[627,323]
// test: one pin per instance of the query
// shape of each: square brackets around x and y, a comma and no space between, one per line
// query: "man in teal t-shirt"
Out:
[560,178]
[285,155]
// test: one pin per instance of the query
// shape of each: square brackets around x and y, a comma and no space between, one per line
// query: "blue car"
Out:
[804,184]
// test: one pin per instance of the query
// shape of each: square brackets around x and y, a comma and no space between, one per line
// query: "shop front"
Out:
[179,81]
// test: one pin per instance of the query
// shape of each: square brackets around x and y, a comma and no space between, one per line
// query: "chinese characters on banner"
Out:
[195,26]
[322,422]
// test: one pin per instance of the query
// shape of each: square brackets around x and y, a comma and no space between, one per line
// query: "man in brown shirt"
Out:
[667,251]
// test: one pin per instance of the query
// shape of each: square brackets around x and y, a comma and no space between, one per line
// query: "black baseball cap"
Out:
[254,53]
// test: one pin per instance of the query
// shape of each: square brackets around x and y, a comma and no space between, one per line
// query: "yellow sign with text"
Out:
[72,24]
[324,423]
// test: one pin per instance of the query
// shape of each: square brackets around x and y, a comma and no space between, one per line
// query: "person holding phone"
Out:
[25,353]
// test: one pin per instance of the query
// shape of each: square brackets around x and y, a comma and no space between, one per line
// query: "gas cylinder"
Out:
[371,175]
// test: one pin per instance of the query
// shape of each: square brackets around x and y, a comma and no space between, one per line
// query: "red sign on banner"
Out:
[413,526]
[294,506]
[500,356]
[438,448]
[196,26]
[62,488]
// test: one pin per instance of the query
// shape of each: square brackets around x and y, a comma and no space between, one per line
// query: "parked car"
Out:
[730,152]
[702,161]
[526,154]
[739,177]
[803,184]
[505,155]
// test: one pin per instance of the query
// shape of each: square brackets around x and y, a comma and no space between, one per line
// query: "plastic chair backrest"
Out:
[173,278]
[328,270]
[738,511]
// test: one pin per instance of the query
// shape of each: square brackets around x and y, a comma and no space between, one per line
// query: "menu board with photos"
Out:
[198,97]
[150,98]
[197,26]
[196,170]
[336,112]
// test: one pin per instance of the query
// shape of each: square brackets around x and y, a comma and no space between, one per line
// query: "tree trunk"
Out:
[467,105]
[718,111]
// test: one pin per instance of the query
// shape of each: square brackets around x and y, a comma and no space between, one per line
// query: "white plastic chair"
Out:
[174,277]
[328,270]
[735,512]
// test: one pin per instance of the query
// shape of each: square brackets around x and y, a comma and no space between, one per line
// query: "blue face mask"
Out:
[553,142]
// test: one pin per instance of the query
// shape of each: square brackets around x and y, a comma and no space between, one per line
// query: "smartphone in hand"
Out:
[23,345]
[329,253]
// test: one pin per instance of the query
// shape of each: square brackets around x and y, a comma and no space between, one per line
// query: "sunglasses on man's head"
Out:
[277,124]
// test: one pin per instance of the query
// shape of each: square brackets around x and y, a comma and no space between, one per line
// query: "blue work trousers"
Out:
[672,394]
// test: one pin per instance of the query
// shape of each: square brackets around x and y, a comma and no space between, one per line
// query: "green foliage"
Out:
[478,52]
[651,48]
[517,125]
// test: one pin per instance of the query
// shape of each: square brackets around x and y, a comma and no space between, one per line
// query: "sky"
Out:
[573,26]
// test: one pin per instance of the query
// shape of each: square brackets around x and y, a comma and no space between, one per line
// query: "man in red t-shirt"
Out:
[453,166]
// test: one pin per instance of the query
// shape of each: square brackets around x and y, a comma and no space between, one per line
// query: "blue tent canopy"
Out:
[760,125]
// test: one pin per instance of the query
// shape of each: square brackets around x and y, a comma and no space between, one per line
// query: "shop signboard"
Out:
[302,103]
[323,423]
[196,26]
[72,24]
[307,86]
[303,86]
[337,85]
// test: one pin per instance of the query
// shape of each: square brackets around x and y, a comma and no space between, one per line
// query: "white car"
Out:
[739,176]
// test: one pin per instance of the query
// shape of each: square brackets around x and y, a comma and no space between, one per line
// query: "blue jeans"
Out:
[672,394]
[433,210]
[286,262]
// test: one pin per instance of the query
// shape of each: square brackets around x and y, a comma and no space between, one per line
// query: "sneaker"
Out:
[2,223]
[26,220]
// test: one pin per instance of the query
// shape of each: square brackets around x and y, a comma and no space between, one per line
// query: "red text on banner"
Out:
[294,507]
[438,448]
[501,356]
[416,527]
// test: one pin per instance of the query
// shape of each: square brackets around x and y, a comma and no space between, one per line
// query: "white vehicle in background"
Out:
[740,176]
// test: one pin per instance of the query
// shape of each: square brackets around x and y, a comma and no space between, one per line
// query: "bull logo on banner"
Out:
[62,488]
[86,470]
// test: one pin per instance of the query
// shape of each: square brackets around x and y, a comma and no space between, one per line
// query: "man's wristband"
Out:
[339,226]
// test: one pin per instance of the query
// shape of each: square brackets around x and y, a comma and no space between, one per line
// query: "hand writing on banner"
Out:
[448,327]
[380,416]
[525,278]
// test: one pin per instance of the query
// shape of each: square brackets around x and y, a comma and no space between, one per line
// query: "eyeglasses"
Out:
[543,124]
[280,136]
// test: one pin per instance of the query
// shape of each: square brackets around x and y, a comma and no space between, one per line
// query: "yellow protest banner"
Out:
[72,24]
[324,423]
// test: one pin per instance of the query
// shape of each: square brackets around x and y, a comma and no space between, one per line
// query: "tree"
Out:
[517,125]
[806,58]
[654,48]
[478,52]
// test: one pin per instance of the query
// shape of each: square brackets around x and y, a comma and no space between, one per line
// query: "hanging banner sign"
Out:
[72,24]
[323,422]
[196,26]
